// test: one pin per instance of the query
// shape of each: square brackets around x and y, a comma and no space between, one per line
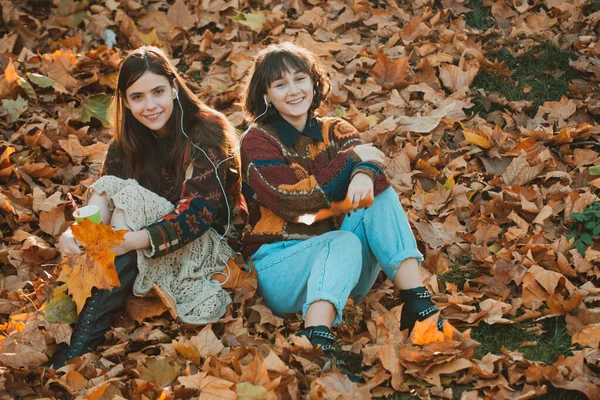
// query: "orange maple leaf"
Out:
[95,267]
[391,74]
[426,331]
[337,208]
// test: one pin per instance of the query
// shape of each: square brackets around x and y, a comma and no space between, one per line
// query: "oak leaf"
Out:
[96,266]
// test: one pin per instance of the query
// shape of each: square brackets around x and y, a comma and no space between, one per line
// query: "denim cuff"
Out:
[391,267]
[324,296]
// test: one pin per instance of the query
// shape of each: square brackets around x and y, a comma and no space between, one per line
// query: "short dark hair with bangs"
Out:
[270,65]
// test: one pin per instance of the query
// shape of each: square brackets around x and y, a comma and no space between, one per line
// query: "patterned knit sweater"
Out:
[201,202]
[288,174]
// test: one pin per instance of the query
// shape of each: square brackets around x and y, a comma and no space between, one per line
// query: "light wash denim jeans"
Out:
[293,274]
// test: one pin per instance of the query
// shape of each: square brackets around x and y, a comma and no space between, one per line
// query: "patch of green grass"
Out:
[459,273]
[481,17]
[595,6]
[545,70]
[562,394]
[552,344]
[398,396]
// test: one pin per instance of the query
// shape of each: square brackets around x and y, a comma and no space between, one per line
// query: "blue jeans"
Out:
[293,274]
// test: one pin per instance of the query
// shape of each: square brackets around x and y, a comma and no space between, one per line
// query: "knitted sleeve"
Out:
[201,199]
[289,190]
[347,137]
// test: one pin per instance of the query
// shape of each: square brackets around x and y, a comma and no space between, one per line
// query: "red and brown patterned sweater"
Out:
[201,202]
[288,174]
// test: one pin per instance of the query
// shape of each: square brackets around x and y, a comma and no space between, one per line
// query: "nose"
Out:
[150,103]
[294,87]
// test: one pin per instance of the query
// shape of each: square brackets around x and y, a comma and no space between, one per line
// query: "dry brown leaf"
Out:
[459,77]
[179,15]
[59,66]
[391,75]
[141,308]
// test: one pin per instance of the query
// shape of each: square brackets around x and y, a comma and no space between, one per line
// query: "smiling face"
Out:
[292,95]
[150,100]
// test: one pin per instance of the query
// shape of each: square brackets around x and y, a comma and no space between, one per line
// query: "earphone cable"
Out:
[216,167]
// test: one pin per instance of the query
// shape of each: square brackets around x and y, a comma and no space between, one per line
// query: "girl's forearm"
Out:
[137,240]
[133,241]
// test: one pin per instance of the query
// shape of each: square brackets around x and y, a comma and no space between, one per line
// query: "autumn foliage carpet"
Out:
[489,115]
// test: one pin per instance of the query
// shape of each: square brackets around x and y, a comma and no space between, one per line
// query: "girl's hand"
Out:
[368,152]
[68,245]
[360,187]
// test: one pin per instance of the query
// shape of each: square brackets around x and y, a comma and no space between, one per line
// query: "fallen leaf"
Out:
[248,391]
[179,15]
[96,266]
[426,331]
[14,108]
[141,308]
[159,371]
[60,308]
[391,75]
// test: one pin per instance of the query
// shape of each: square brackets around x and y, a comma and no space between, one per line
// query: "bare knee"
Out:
[118,220]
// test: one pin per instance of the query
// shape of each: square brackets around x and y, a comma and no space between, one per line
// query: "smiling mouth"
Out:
[153,116]
[294,102]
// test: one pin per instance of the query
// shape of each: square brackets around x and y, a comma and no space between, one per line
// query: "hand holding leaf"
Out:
[95,267]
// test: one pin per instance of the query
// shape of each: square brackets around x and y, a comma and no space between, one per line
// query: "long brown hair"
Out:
[203,125]
[270,65]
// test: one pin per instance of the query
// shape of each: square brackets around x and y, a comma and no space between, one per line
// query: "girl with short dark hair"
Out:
[295,164]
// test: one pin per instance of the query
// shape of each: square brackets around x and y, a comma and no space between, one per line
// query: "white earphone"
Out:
[174,92]
[266,100]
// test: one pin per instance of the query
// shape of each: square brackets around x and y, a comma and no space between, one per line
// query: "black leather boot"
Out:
[98,312]
[417,307]
[322,335]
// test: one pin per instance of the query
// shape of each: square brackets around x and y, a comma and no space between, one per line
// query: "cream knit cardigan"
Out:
[186,274]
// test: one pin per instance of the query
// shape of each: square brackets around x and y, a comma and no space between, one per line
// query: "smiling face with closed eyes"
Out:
[150,100]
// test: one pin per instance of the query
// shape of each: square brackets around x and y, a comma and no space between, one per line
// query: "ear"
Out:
[176,87]
[126,103]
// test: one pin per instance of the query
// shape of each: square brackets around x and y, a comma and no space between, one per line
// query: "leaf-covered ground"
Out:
[489,114]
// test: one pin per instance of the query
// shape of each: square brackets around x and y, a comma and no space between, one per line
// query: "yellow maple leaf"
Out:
[95,267]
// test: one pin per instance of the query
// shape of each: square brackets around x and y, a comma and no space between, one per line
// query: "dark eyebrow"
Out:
[158,87]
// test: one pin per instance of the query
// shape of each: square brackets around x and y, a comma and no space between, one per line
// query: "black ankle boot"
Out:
[417,307]
[322,335]
[98,312]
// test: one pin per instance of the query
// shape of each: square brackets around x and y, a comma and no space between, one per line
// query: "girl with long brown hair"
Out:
[171,178]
